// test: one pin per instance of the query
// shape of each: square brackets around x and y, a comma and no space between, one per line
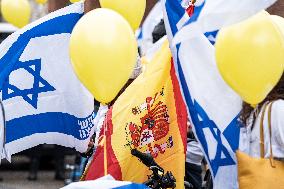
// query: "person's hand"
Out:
[90,145]
[90,149]
[189,128]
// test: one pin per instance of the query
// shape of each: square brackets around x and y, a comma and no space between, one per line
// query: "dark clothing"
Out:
[159,31]
[193,175]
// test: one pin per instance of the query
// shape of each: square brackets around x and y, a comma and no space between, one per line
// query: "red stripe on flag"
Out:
[96,169]
[180,107]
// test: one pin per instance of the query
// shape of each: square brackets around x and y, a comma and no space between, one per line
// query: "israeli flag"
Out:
[106,182]
[212,105]
[211,15]
[43,99]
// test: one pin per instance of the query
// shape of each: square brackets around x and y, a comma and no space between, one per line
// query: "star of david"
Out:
[205,122]
[198,115]
[10,61]
[40,85]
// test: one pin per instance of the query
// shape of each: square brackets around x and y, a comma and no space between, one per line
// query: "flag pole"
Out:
[3,132]
[105,145]
[105,158]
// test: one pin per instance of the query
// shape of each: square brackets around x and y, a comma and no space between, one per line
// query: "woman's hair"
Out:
[276,93]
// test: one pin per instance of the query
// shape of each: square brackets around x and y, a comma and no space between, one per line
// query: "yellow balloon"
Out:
[16,12]
[132,10]
[74,1]
[279,22]
[41,1]
[103,51]
[250,57]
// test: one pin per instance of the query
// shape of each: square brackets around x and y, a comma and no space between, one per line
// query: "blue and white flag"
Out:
[212,105]
[105,184]
[211,15]
[43,99]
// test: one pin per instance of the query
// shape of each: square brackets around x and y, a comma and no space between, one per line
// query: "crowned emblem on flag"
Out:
[151,134]
[188,5]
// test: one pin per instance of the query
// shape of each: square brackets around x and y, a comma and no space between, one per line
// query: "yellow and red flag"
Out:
[149,116]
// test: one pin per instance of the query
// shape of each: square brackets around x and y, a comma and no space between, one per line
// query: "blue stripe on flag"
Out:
[57,122]
[175,12]
[132,186]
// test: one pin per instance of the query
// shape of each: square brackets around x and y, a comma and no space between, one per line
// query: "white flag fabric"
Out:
[211,15]
[106,182]
[43,99]
[212,105]
[2,130]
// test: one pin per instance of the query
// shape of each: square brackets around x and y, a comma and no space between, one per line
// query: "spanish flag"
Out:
[149,116]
